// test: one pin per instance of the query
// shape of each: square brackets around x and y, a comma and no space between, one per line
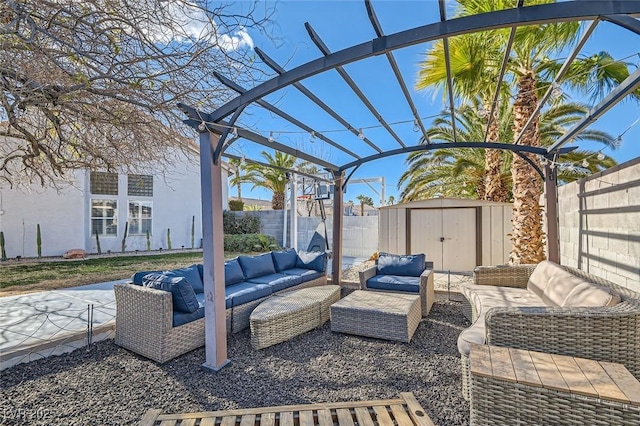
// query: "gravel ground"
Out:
[109,385]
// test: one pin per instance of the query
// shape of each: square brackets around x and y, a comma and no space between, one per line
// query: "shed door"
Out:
[446,236]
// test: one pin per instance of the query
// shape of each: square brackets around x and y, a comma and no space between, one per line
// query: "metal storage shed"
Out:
[456,234]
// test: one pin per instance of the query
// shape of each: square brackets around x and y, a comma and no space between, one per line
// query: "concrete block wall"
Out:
[600,224]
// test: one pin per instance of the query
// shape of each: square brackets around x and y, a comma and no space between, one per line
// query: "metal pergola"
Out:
[218,129]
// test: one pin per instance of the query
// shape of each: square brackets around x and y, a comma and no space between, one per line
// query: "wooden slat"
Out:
[191,422]
[480,361]
[306,418]
[548,371]
[526,373]
[268,419]
[364,417]
[573,376]
[286,418]
[248,420]
[600,380]
[625,381]
[324,417]
[501,364]
[228,420]
[382,415]
[168,422]
[344,417]
[208,421]
[417,413]
[150,417]
[401,416]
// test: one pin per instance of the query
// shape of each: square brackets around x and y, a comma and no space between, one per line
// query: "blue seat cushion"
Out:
[278,281]
[182,294]
[306,274]
[232,272]
[257,266]
[138,277]
[192,274]
[316,260]
[411,265]
[241,293]
[395,283]
[181,318]
[285,259]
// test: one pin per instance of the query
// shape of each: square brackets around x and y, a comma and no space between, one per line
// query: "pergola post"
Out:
[336,264]
[213,255]
[551,212]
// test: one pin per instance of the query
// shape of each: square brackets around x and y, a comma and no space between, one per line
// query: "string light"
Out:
[234,132]
[556,90]
[585,163]
[416,127]
[243,160]
[312,137]
[482,113]
[271,139]
[360,133]
[600,156]
[202,127]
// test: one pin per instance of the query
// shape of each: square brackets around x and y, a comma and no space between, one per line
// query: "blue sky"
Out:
[342,24]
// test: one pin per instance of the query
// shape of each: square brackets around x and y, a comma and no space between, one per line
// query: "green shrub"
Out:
[246,243]
[236,205]
[246,224]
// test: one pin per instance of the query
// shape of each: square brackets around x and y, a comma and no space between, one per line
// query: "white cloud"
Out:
[240,40]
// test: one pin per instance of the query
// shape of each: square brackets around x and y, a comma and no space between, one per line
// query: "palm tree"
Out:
[364,200]
[273,179]
[240,175]
[458,172]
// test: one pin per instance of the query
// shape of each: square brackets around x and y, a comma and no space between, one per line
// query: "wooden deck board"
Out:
[406,410]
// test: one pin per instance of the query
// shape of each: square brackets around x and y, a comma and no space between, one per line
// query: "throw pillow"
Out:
[285,259]
[232,272]
[192,274]
[183,296]
[408,265]
[316,260]
[257,266]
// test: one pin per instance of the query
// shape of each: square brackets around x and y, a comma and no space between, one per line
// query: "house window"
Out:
[104,183]
[140,217]
[104,217]
[140,185]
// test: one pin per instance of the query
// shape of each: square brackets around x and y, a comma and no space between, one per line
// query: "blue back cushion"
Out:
[316,260]
[285,259]
[410,265]
[257,266]
[183,296]
[232,272]
[192,274]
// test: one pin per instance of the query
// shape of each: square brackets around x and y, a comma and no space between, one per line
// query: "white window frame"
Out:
[139,218]
[104,218]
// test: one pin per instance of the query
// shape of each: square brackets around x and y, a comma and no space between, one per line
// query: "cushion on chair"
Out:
[394,283]
[284,259]
[305,274]
[257,266]
[192,274]
[138,277]
[412,265]
[241,293]
[277,281]
[316,260]
[232,272]
[181,318]
[541,275]
[591,295]
[182,294]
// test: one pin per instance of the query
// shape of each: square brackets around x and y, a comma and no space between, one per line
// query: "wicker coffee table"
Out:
[389,316]
[286,315]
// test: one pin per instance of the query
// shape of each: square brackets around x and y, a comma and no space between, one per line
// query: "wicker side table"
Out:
[286,315]
[389,316]
[513,386]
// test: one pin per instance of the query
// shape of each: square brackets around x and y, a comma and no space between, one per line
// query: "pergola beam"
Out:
[277,111]
[273,166]
[447,62]
[532,15]
[561,73]
[326,108]
[625,21]
[352,84]
[630,84]
[396,70]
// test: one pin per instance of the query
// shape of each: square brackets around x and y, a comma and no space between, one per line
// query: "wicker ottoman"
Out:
[388,316]
[286,315]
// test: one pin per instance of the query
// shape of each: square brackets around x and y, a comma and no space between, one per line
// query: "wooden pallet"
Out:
[404,411]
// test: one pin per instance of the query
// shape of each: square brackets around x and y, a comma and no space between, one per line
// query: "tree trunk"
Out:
[277,201]
[361,209]
[494,187]
[239,192]
[527,235]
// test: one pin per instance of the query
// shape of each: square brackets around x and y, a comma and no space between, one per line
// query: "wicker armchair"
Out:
[427,292]
[600,333]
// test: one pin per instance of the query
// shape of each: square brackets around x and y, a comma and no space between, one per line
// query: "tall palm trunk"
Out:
[277,201]
[527,235]
[494,187]
[239,191]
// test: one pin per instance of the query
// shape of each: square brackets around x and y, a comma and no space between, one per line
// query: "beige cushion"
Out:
[541,275]
[591,295]
[559,287]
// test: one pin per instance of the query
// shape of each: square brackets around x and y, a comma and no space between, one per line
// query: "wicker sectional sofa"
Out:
[553,309]
[162,323]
